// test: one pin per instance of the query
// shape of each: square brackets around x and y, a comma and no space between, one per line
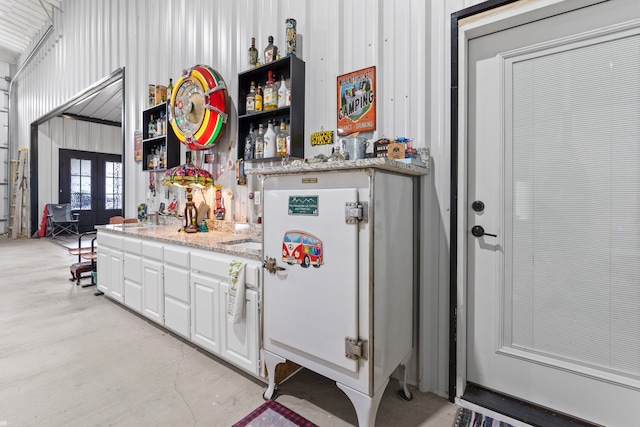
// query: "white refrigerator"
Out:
[339,280]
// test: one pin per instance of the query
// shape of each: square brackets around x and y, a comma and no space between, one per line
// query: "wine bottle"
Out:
[270,94]
[169,90]
[270,141]
[258,98]
[251,100]
[253,54]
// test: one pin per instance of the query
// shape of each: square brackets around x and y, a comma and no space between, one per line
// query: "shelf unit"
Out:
[293,70]
[169,141]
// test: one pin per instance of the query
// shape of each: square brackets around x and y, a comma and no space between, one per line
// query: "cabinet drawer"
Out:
[132,245]
[177,255]
[110,240]
[210,263]
[152,250]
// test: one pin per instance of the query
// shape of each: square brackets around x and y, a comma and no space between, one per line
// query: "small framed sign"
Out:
[357,101]
[137,146]
[303,205]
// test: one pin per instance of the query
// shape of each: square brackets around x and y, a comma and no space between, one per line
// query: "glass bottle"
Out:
[282,93]
[290,36]
[270,93]
[169,90]
[270,141]
[259,146]
[249,141]
[251,100]
[151,127]
[270,52]
[258,98]
[253,54]
[281,140]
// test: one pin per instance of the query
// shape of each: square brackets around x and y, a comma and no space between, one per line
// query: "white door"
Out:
[152,290]
[311,306]
[554,156]
[205,311]
[239,341]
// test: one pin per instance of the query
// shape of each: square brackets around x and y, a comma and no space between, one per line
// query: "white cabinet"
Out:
[177,298]
[205,314]
[239,341]
[110,266]
[133,273]
[152,281]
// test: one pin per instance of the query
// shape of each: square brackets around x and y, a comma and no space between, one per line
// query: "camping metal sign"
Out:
[357,101]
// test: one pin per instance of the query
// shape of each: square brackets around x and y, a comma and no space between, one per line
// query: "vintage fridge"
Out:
[339,281]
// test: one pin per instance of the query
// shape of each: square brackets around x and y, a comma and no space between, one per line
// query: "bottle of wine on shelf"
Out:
[251,100]
[169,90]
[270,141]
[249,143]
[253,54]
[270,52]
[270,93]
[282,93]
[258,98]
[281,140]
[259,146]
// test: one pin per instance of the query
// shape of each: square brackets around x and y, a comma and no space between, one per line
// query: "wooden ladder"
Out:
[17,214]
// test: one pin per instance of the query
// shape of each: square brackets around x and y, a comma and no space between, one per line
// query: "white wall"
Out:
[407,40]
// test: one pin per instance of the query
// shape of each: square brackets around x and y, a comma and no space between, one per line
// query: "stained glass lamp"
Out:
[188,175]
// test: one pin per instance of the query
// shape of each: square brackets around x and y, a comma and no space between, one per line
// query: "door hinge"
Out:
[356,348]
[355,212]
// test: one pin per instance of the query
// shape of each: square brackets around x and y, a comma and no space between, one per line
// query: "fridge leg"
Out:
[271,360]
[366,407]
[405,394]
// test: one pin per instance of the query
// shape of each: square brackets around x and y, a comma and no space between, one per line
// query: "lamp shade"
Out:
[186,175]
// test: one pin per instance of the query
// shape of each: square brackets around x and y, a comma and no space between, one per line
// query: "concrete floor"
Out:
[69,358]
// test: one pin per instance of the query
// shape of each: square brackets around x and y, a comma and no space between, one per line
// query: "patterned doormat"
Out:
[468,418]
[273,414]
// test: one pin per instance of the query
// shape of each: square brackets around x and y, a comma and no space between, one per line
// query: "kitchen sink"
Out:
[244,243]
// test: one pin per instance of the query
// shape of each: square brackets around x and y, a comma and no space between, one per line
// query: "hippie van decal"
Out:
[299,247]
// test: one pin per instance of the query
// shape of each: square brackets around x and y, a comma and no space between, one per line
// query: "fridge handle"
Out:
[270,265]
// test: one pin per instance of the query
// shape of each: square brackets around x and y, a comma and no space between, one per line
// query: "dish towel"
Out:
[235,296]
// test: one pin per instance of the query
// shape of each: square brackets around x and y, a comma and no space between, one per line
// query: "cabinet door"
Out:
[115,275]
[177,306]
[152,290]
[133,281]
[239,344]
[205,307]
[102,260]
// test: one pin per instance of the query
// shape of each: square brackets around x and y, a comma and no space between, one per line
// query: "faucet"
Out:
[156,220]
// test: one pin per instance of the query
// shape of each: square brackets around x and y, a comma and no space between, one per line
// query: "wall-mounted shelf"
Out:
[156,143]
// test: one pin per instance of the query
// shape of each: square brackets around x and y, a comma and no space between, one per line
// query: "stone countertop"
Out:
[374,162]
[216,240]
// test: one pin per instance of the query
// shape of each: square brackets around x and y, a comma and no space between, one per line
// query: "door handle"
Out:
[478,231]
[270,265]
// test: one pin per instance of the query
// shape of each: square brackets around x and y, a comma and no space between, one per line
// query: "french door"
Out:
[92,183]
[553,212]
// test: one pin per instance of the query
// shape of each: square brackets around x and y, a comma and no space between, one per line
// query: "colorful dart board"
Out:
[198,107]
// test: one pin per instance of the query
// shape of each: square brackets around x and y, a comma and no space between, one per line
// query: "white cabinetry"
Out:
[152,281]
[133,273]
[177,298]
[205,294]
[239,341]
[110,266]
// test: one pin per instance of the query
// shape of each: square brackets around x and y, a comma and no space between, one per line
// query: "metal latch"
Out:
[355,212]
[270,265]
[356,348]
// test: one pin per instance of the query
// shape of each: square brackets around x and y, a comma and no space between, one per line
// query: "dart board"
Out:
[198,107]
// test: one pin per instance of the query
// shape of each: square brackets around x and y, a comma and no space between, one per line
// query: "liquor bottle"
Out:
[251,100]
[253,54]
[151,127]
[281,140]
[270,93]
[259,147]
[249,141]
[270,52]
[169,90]
[258,97]
[282,93]
[270,141]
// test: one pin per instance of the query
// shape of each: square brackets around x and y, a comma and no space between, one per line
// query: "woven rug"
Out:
[468,418]
[273,414]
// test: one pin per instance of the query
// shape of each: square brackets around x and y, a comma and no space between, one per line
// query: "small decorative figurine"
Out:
[203,227]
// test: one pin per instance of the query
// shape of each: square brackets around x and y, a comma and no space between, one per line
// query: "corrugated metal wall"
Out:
[407,41]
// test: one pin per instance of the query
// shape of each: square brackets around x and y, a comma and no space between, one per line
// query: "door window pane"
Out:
[80,184]
[113,185]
